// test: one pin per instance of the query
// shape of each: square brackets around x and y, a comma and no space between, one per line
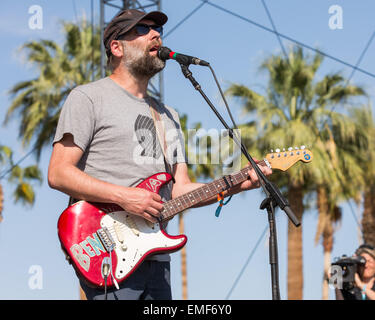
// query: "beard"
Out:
[140,63]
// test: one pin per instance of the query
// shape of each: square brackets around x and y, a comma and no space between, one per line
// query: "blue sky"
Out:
[217,248]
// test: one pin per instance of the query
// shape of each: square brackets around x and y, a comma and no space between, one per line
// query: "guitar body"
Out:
[90,232]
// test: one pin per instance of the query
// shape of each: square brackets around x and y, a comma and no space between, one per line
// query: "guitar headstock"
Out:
[284,159]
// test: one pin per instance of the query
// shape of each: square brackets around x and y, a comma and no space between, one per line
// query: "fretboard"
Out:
[203,193]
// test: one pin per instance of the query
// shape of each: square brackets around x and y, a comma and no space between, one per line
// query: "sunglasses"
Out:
[143,29]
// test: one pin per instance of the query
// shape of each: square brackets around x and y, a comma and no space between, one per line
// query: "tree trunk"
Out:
[295,256]
[327,251]
[329,215]
[368,218]
[327,264]
[324,230]
[183,259]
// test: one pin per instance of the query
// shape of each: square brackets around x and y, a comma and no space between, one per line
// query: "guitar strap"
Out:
[160,132]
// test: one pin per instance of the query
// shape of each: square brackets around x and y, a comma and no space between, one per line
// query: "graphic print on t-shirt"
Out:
[146,135]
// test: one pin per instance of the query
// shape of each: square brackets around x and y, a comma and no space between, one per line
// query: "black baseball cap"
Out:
[125,20]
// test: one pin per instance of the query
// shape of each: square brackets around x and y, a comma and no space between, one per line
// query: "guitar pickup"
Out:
[106,238]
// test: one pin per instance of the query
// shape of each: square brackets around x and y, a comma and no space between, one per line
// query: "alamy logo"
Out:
[336,19]
[36,278]
[336,277]
[36,19]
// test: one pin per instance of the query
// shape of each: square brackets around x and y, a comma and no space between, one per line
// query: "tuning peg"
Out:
[303,147]
[290,149]
[277,150]
[271,150]
[296,148]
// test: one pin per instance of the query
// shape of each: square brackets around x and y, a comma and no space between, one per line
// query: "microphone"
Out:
[165,53]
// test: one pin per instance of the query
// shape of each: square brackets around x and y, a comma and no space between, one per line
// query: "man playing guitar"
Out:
[106,143]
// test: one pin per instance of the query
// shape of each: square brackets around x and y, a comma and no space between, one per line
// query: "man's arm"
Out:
[64,176]
[184,185]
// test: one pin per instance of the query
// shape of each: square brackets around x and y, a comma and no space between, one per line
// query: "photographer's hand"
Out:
[365,287]
[358,281]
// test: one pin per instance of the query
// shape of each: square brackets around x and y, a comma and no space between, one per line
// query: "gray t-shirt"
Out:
[116,132]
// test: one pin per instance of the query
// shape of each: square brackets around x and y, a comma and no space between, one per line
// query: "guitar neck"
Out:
[203,193]
[281,160]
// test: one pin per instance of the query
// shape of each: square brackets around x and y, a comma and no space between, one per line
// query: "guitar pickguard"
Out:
[135,238]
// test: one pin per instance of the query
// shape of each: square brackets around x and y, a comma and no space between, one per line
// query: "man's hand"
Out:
[253,181]
[143,203]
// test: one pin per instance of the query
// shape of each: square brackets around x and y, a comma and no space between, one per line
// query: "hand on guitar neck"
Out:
[245,179]
[253,181]
[183,184]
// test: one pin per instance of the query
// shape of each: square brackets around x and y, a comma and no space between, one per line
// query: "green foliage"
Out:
[22,178]
[196,169]
[296,110]
[37,102]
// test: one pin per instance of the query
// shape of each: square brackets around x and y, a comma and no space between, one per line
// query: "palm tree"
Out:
[38,101]
[5,154]
[366,157]
[341,137]
[295,111]
[23,178]
[195,171]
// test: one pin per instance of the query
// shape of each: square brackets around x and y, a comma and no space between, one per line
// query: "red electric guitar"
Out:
[92,232]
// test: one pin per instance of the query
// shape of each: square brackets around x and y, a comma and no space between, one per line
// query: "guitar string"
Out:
[181,203]
[209,189]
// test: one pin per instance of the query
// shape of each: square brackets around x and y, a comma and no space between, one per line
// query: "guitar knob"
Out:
[124,247]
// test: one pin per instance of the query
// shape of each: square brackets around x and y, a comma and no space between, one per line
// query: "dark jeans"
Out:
[151,281]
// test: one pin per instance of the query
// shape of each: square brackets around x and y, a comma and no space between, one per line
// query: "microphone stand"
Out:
[273,198]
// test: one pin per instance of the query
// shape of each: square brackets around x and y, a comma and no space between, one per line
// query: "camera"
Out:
[349,267]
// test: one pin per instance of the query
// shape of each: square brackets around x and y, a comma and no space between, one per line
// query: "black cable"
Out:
[274,29]
[278,34]
[361,56]
[75,10]
[289,38]
[184,19]
[222,95]
[105,287]
[106,271]
[262,183]
[246,263]
[17,163]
